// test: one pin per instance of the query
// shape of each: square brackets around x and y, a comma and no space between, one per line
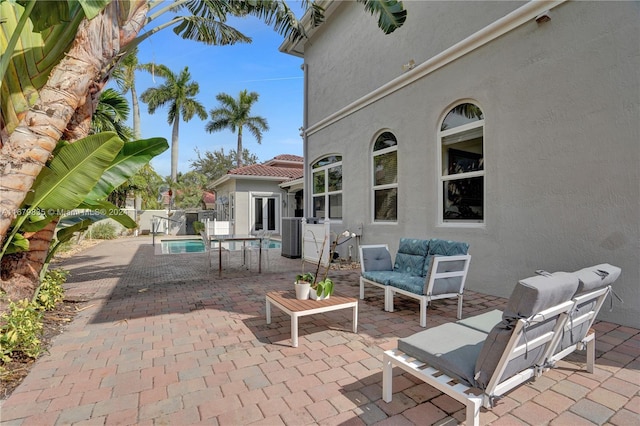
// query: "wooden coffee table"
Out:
[287,302]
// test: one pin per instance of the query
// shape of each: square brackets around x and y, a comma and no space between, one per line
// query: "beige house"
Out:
[256,197]
[513,126]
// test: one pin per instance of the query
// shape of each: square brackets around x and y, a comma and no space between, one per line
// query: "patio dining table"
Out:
[232,238]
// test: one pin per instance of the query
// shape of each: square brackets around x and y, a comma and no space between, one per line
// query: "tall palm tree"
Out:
[234,114]
[124,76]
[178,92]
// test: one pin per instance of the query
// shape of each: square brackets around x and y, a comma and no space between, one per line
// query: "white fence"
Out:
[316,242]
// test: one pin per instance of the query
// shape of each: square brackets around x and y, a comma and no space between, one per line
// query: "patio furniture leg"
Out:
[387,379]
[460,306]
[388,299]
[294,330]
[355,319]
[220,258]
[361,289]
[591,351]
[423,312]
[268,311]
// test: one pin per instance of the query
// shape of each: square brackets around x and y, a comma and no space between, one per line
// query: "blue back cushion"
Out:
[376,259]
[411,256]
[443,248]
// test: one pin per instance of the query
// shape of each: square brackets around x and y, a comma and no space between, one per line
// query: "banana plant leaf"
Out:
[65,182]
[133,156]
[109,210]
[18,244]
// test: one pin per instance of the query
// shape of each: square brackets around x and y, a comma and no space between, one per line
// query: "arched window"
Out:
[461,139]
[385,178]
[327,187]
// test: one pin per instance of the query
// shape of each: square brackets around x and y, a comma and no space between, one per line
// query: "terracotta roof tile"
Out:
[267,171]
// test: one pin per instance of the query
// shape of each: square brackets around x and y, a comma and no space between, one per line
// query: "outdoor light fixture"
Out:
[409,65]
[543,17]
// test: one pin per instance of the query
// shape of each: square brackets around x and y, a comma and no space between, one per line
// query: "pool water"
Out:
[197,246]
[182,246]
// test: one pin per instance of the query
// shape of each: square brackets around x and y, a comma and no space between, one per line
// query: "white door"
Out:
[265,213]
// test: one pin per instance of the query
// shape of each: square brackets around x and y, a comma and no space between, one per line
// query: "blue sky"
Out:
[258,67]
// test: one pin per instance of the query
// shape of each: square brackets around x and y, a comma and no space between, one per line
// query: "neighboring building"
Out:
[208,201]
[503,124]
[258,196]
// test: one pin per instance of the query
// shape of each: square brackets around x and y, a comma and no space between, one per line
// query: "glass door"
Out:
[264,213]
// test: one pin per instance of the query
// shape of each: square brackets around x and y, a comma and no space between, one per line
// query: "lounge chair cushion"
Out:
[538,293]
[451,348]
[483,322]
[381,277]
[595,277]
[411,255]
[376,259]
[530,296]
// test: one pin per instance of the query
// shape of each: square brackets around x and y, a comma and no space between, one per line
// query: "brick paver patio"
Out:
[163,340]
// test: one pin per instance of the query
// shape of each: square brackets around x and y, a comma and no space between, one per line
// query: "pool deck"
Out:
[162,340]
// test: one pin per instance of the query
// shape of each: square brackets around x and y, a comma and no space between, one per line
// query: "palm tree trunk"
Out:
[174,148]
[135,105]
[239,153]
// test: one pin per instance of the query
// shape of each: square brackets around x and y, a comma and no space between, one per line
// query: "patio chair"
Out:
[252,250]
[478,359]
[213,249]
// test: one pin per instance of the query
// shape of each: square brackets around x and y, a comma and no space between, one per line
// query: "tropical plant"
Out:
[111,115]
[57,57]
[216,164]
[20,330]
[305,277]
[234,115]
[50,292]
[178,94]
[188,190]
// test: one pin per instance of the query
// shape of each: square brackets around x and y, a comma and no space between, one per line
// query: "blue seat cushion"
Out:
[407,282]
[380,277]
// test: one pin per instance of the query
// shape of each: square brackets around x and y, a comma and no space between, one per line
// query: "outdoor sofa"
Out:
[423,269]
[478,359]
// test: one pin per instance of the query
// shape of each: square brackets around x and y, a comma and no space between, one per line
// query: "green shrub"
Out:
[51,292]
[198,226]
[103,231]
[20,330]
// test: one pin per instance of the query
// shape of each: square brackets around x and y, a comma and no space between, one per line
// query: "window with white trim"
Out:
[385,178]
[327,187]
[461,189]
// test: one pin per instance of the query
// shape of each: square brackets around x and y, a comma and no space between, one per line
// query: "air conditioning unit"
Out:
[291,239]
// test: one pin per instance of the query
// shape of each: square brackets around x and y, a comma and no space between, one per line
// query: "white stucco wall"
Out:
[562,140]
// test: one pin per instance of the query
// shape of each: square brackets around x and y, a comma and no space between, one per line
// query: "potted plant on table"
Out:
[302,285]
[323,289]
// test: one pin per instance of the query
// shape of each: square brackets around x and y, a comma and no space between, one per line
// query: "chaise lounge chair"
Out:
[478,359]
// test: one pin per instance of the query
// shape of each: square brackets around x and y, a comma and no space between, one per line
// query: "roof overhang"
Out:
[293,184]
[229,177]
[297,48]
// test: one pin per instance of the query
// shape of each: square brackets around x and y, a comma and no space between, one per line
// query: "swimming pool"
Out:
[182,246]
[197,246]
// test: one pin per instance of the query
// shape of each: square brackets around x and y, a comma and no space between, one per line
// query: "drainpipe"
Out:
[303,132]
